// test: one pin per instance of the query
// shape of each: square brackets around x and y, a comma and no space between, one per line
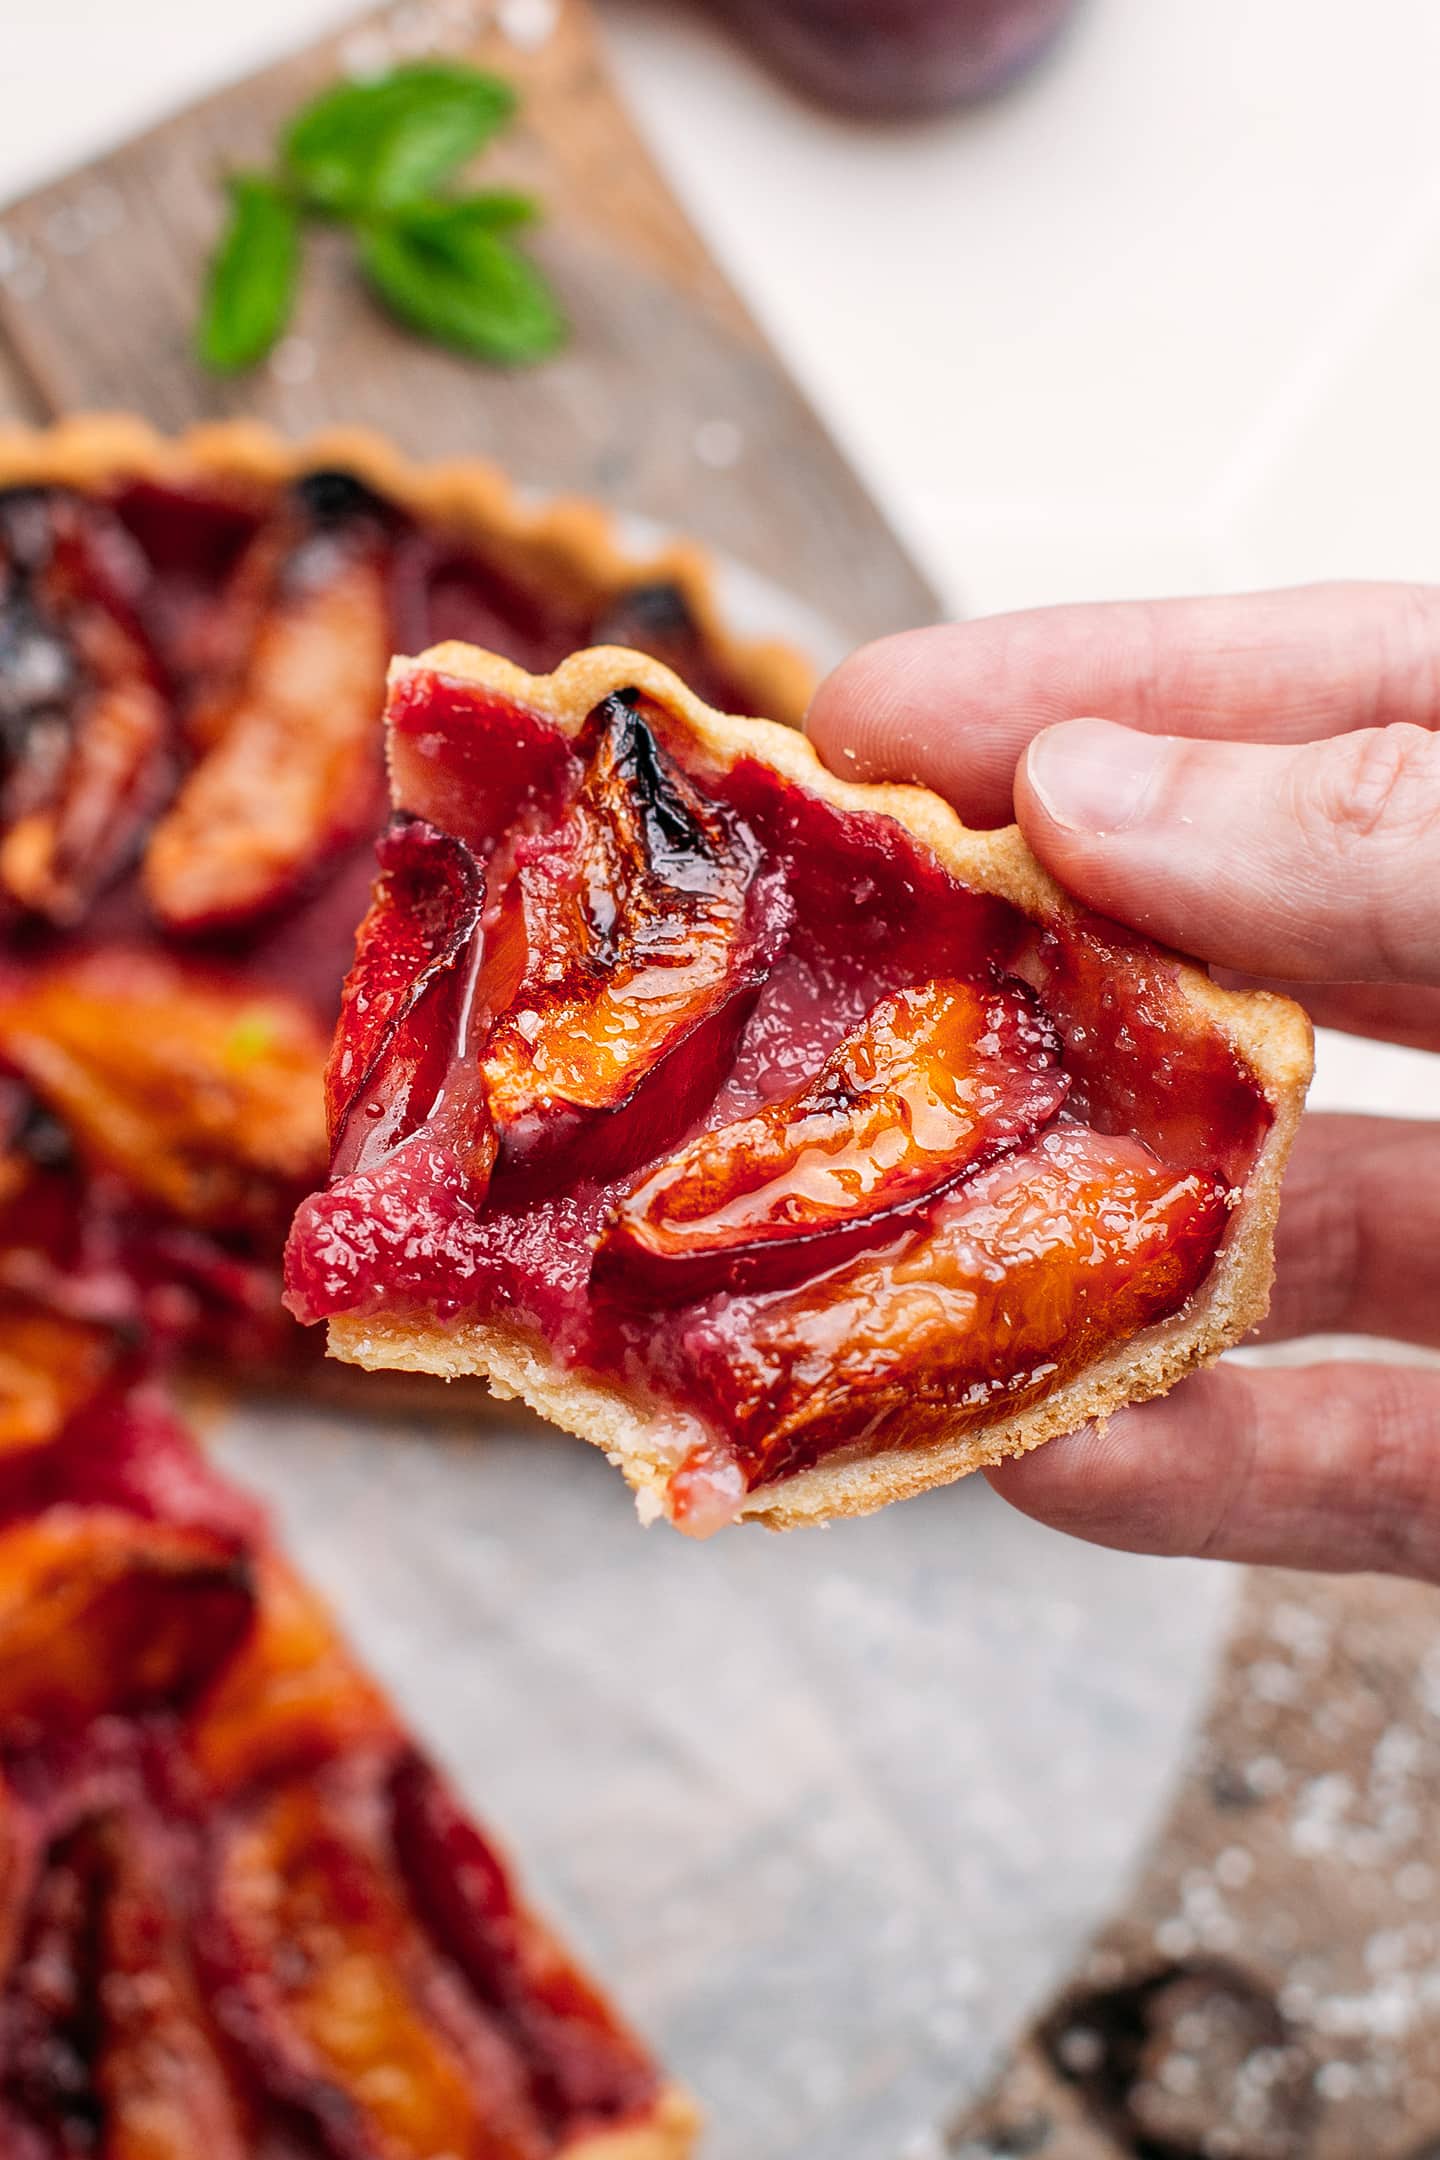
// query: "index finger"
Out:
[955,706]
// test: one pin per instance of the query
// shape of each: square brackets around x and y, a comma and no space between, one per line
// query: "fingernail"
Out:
[1094,777]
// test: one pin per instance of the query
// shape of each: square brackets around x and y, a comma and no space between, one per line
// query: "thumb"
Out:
[1314,863]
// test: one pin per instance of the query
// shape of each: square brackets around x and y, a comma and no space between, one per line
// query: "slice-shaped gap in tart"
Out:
[794,1144]
[240,1913]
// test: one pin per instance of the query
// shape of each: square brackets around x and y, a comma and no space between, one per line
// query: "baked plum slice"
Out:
[201,1093]
[589,982]
[635,929]
[333,1998]
[286,734]
[401,1023]
[85,715]
[290,1697]
[102,1611]
[1027,1272]
[108,2048]
[584,2070]
[942,1077]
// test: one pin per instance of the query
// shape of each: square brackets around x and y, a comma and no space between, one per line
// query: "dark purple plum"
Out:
[898,58]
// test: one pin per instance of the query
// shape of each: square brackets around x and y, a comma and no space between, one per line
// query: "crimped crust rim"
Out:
[570,535]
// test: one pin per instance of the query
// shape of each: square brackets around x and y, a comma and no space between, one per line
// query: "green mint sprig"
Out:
[376,156]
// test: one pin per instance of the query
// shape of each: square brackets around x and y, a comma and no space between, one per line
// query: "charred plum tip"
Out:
[683,833]
[332,497]
[656,610]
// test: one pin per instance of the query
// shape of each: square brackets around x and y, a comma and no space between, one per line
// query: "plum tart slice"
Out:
[241,1915]
[796,1145]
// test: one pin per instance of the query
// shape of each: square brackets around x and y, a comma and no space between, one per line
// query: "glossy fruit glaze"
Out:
[240,1915]
[191,780]
[744,1100]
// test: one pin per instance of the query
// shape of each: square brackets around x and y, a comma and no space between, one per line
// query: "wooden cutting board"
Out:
[667,403]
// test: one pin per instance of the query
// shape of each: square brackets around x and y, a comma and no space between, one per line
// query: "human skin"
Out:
[1263,791]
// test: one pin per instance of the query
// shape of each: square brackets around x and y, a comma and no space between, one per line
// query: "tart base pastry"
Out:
[1093,1192]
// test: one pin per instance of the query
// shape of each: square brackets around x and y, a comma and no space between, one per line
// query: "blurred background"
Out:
[1167,318]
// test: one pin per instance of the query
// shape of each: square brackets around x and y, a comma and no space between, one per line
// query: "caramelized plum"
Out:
[50,1363]
[108,2048]
[1028,1271]
[405,996]
[84,714]
[941,1078]
[634,927]
[101,1611]
[163,2089]
[291,1696]
[289,769]
[203,1098]
[337,2006]
[51,2003]
[585,2070]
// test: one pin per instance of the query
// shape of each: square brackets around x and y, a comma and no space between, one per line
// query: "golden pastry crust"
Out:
[670,2134]
[1270,1035]
[565,544]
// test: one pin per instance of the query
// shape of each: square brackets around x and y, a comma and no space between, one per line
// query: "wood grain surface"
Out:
[667,403]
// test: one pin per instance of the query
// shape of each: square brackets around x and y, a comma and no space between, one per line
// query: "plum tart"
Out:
[794,1144]
[241,1915]
[193,641]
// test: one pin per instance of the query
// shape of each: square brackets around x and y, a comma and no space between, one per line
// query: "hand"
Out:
[1264,792]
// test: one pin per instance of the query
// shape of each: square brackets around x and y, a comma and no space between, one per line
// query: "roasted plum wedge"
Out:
[623,940]
[100,1613]
[201,1096]
[905,1164]
[105,2032]
[582,988]
[1017,1278]
[286,772]
[239,1913]
[405,997]
[85,718]
[941,1078]
[333,1996]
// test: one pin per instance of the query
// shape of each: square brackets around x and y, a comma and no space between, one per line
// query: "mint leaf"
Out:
[250,285]
[448,219]
[368,146]
[447,276]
